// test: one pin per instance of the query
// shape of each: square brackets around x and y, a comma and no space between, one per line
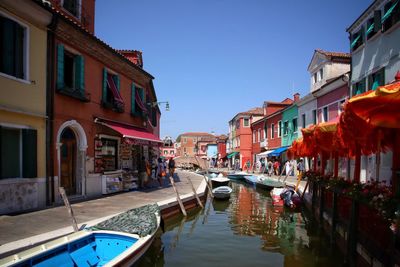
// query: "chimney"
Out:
[133,56]
[296,97]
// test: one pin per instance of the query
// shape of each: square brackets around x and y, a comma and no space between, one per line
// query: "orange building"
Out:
[239,145]
[102,106]
[194,144]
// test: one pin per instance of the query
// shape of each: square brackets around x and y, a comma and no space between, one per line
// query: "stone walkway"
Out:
[35,227]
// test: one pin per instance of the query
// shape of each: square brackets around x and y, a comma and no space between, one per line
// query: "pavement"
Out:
[29,229]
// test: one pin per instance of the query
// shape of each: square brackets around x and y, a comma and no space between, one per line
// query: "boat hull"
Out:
[222,192]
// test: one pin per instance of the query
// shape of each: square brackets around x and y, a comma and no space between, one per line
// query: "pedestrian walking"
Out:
[270,168]
[300,168]
[287,168]
[160,171]
[171,167]
[277,166]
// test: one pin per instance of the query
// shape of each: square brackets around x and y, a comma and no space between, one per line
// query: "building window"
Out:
[71,74]
[391,14]
[285,127]
[279,128]
[374,25]
[294,123]
[110,153]
[314,116]
[264,134]
[376,79]
[357,39]
[359,87]
[303,120]
[254,136]
[325,114]
[138,106]
[18,153]
[259,135]
[13,57]
[111,98]
[165,152]
[184,150]
[184,140]
[321,74]
[72,6]
[272,130]
[246,122]
[341,106]
[171,152]
[315,78]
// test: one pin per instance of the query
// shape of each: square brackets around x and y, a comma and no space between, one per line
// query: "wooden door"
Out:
[68,162]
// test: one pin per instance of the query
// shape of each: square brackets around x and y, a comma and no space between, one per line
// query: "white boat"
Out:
[222,192]
[220,180]
[94,246]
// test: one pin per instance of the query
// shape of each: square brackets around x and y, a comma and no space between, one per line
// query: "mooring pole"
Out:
[69,208]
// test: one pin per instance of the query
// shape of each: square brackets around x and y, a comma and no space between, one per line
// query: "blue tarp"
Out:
[277,152]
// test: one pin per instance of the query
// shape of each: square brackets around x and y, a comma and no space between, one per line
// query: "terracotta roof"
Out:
[253,111]
[196,134]
[286,101]
[333,54]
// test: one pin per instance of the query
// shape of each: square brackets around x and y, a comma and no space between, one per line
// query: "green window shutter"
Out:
[60,67]
[117,82]
[29,153]
[104,93]
[133,100]
[80,73]
[10,153]
[141,94]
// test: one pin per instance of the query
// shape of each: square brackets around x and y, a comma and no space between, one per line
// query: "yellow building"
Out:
[23,48]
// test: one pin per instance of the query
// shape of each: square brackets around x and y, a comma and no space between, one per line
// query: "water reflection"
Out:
[243,231]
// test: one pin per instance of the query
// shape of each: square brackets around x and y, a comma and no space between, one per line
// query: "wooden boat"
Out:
[237,175]
[222,192]
[219,181]
[97,246]
[268,183]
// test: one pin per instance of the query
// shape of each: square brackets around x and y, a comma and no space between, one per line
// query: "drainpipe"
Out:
[50,110]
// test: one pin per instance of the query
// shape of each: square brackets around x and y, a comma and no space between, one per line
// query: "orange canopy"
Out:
[380,107]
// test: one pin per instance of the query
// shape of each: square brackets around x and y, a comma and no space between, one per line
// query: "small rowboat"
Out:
[237,175]
[222,192]
[97,246]
[219,181]
[268,183]
[251,179]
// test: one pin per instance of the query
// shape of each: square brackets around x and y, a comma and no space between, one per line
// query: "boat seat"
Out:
[60,260]
[85,256]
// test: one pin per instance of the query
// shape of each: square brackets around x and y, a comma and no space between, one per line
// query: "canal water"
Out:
[246,230]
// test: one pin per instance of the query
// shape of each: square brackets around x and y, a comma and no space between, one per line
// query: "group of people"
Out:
[274,167]
[157,169]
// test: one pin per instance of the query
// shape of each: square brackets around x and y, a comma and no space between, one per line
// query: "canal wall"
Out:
[24,231]
[352,227]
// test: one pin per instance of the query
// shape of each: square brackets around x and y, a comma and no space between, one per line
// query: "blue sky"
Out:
[214,58]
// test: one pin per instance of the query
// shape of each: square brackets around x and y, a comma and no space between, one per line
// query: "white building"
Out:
[375,53]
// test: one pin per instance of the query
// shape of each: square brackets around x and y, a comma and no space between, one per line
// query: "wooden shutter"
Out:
[80,74]
[19,51]
[117,82]
[10,153]
[104,91]
[133,99]
[29,153]
[377,21]
[60,67]
[8,46]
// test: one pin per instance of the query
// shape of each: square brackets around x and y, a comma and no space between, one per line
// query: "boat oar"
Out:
[69,208]
[195,193]
[178,197]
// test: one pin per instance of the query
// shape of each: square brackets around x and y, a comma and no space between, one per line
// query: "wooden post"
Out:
[357,167]
[69,208]
[334,218]
[195,193]
[305,189]
[178,197]
[352,234]
[396,164]
[336,167]
[321,205]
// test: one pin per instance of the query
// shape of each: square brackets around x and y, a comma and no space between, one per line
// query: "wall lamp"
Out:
[154,104]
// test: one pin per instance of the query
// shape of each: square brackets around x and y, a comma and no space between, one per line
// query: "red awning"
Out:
[132,132]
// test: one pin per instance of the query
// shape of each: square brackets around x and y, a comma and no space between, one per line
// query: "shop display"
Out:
[112,182]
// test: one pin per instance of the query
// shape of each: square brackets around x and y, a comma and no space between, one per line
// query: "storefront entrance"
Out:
[68,161]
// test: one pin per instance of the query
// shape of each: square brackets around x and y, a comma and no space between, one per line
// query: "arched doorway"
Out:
[71,148]
[68,161]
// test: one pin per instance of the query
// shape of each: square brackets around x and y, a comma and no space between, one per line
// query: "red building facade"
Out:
[104,115]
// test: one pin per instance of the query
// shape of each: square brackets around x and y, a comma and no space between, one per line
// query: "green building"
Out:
[289,125]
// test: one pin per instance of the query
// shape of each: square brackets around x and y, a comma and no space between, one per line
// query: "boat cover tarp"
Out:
[141,221]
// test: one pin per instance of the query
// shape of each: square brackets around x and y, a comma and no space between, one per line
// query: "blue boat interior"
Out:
[96,249]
